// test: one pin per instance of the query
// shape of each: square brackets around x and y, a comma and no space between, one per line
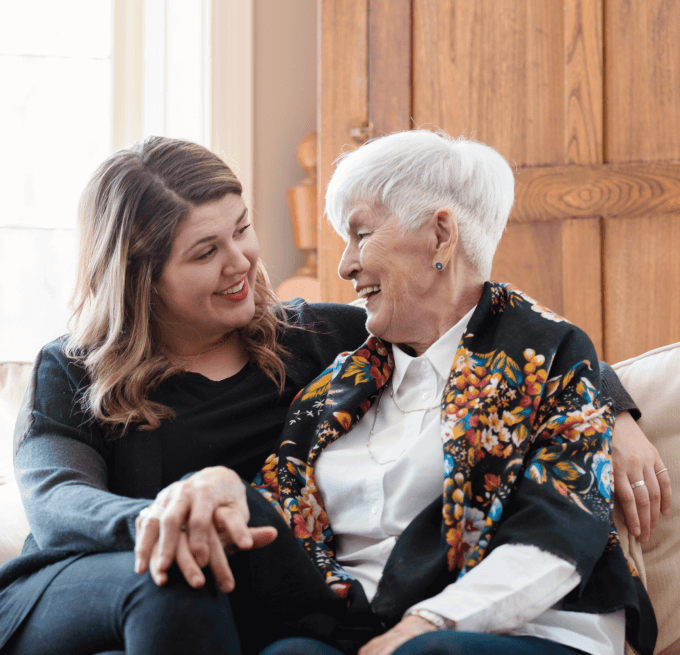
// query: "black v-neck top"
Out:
[235,422]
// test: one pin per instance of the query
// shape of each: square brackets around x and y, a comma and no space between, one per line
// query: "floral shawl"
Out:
[526,438]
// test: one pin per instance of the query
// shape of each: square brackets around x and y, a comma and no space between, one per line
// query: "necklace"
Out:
[375,420]
[410,411]
[370,434]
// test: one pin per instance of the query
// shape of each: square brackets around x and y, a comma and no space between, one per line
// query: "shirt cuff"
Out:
[507,589]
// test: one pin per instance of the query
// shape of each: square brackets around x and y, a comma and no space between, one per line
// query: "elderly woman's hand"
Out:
[220,545]
[635,459]
[408,628]
[192,522]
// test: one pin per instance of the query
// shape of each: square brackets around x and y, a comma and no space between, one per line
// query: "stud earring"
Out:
[439,266]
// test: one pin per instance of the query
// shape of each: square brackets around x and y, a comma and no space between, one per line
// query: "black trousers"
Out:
[99,604]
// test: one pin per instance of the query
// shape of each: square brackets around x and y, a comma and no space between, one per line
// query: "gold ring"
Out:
[641,483]
[661,471]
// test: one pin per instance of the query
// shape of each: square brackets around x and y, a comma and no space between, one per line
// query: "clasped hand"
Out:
[196,522]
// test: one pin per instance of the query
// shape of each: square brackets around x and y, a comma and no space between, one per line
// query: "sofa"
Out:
[652,379]
[14,378]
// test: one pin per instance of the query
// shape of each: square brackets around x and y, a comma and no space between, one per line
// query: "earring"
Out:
[439,266]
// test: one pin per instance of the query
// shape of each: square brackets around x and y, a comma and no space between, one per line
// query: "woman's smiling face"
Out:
[392,270]
[207,285]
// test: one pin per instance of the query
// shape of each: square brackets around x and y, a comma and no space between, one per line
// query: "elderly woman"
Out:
[451,478]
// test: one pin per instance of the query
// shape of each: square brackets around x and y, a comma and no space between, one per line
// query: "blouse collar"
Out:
[440,354]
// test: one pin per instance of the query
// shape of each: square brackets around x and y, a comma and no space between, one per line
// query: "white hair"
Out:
[417,172]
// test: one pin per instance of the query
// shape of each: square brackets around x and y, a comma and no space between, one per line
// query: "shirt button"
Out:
[423,365]
[374,509]
[426,395]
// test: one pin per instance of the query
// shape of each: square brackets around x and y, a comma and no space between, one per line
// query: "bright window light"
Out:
[55,112]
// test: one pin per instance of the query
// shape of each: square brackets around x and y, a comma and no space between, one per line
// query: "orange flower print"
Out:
[312,512]
[344,418]
[341,588]
[489,440]
[464,359]
[561,488]
[491,482]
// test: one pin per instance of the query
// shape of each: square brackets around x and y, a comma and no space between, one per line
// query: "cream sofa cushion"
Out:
[653,380]
[14,378]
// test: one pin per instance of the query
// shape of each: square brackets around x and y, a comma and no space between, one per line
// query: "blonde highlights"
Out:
[129,214]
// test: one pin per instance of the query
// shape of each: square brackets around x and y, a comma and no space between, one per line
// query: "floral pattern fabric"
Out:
[526,439]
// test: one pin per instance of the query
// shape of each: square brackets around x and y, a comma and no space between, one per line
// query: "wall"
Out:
[285,111]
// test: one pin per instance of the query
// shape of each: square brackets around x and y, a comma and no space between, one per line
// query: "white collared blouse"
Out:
[376,479]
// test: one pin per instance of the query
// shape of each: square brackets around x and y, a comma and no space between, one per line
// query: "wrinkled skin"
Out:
[417,303]
[212,506]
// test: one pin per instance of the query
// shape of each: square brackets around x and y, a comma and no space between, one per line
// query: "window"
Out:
[56,79]
[81,78]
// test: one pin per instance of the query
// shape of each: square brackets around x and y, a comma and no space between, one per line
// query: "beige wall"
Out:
[285,111]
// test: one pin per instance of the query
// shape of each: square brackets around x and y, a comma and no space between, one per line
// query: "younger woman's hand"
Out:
[635,459]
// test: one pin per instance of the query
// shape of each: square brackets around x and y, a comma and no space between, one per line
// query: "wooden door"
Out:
[582,97]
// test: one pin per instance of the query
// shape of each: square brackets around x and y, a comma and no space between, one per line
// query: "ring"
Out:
[661,471]
[641,483]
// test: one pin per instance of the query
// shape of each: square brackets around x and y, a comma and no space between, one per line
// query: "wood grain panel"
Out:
[584,82]
[642,81]
[494,69]
[389,42]
[582,277]
[581,274]
[641,280]
[558,264]
[343,100]
[530,257]
[563,192]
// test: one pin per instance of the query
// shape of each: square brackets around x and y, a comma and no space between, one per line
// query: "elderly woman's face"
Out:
[392,270]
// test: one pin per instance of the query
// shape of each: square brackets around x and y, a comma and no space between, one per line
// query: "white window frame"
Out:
[150,74]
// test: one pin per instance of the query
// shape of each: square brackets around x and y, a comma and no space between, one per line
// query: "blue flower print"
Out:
[602,468]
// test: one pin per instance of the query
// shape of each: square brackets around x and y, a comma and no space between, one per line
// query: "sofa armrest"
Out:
[653,380]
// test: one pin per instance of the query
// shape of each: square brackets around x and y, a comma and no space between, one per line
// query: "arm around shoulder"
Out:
[612,386]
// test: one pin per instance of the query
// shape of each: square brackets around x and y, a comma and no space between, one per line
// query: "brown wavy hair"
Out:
[128,216]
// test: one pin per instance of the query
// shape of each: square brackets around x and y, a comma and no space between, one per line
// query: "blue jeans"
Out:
[99,604]
[446,642]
